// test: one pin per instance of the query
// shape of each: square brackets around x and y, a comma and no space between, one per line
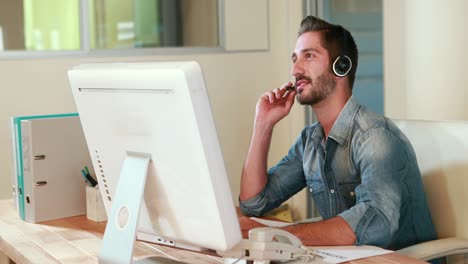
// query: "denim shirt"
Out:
[365,172]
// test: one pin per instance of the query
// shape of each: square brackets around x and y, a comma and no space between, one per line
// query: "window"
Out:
[364,19]
[57,25]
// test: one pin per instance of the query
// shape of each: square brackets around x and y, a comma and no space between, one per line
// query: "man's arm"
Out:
[271,108]
[254,173]
[332,232]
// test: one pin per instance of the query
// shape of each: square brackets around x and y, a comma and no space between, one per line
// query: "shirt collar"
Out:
[342,127]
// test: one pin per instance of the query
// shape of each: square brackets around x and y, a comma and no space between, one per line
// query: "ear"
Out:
[342,65]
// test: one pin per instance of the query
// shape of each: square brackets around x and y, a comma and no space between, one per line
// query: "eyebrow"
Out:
[304,51]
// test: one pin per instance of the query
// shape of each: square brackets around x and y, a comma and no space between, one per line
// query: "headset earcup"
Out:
[342,65]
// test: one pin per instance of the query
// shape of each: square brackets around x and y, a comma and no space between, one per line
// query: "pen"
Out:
[290,87]
[86,178]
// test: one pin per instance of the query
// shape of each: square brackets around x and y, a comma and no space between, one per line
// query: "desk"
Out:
[77,240]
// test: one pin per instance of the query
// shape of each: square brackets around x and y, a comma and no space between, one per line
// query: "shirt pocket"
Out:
[316,189]
[348,191]
[315,185]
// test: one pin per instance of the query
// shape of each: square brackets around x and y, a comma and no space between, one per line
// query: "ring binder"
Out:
[50,151]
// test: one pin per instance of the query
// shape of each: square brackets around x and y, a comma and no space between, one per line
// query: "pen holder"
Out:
[95,209]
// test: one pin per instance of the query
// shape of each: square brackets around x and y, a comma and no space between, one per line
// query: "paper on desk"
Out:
[339,254]
[270,223]
[333,254]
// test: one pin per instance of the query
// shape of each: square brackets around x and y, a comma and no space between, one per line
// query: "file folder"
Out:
[50,152]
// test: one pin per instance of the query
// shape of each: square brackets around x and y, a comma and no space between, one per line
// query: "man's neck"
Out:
[328,110]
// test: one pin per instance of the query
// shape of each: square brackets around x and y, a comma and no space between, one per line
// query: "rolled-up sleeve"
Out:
[284,180]
[255,206]
[382,161]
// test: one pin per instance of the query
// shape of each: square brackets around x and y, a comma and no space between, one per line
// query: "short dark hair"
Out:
[335,39]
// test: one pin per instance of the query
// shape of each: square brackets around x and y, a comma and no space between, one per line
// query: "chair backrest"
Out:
[442,151]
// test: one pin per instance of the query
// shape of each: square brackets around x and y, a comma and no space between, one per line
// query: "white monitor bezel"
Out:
[104,82]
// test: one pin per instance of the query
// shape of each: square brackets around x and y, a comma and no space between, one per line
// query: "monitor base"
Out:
[119,236]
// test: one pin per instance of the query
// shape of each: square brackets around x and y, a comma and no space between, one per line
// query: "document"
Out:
[340,254]
[270,223]
[332,254]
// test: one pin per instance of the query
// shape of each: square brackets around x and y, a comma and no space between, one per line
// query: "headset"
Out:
[342,64]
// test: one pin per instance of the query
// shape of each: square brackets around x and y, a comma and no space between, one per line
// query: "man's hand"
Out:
[246,224]
[271,108]
[274,105]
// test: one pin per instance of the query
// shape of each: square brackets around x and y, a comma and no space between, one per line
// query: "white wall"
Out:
[425,77]
[425,58]
[235,80]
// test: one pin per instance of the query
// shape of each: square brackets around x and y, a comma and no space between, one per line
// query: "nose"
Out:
[297,68]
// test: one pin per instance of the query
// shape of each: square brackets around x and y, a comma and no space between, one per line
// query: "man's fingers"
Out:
[290,99]
[271,97]
[286,85]
[278,93]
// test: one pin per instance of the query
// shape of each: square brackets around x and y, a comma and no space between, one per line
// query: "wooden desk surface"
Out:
[77,240]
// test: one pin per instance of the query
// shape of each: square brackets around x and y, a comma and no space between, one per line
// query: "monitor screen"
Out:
[160,110]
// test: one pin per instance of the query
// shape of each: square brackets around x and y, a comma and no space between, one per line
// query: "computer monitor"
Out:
[152,139]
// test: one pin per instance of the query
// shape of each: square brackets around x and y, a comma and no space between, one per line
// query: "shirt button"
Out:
[310,189]
[351,193]
[332,190]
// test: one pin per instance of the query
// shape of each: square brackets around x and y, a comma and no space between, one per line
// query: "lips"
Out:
[301,83]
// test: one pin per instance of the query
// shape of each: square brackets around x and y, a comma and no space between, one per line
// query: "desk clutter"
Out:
[77,240]
[95,209]
[49,154]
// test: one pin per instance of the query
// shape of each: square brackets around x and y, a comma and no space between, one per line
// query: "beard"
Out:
[321,88]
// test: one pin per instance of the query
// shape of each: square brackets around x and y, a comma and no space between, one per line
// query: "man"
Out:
[358,166]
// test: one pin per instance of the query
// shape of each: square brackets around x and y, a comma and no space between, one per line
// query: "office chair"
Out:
[442,151]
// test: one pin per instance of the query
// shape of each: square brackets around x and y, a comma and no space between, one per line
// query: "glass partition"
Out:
[57,25]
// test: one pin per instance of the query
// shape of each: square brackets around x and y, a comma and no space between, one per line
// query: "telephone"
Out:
[267,244]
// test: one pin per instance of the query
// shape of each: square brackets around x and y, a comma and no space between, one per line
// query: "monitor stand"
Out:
[121,229]
[120,235]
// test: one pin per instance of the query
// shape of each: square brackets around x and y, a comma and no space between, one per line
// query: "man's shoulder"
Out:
[365,119]
[371,123]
